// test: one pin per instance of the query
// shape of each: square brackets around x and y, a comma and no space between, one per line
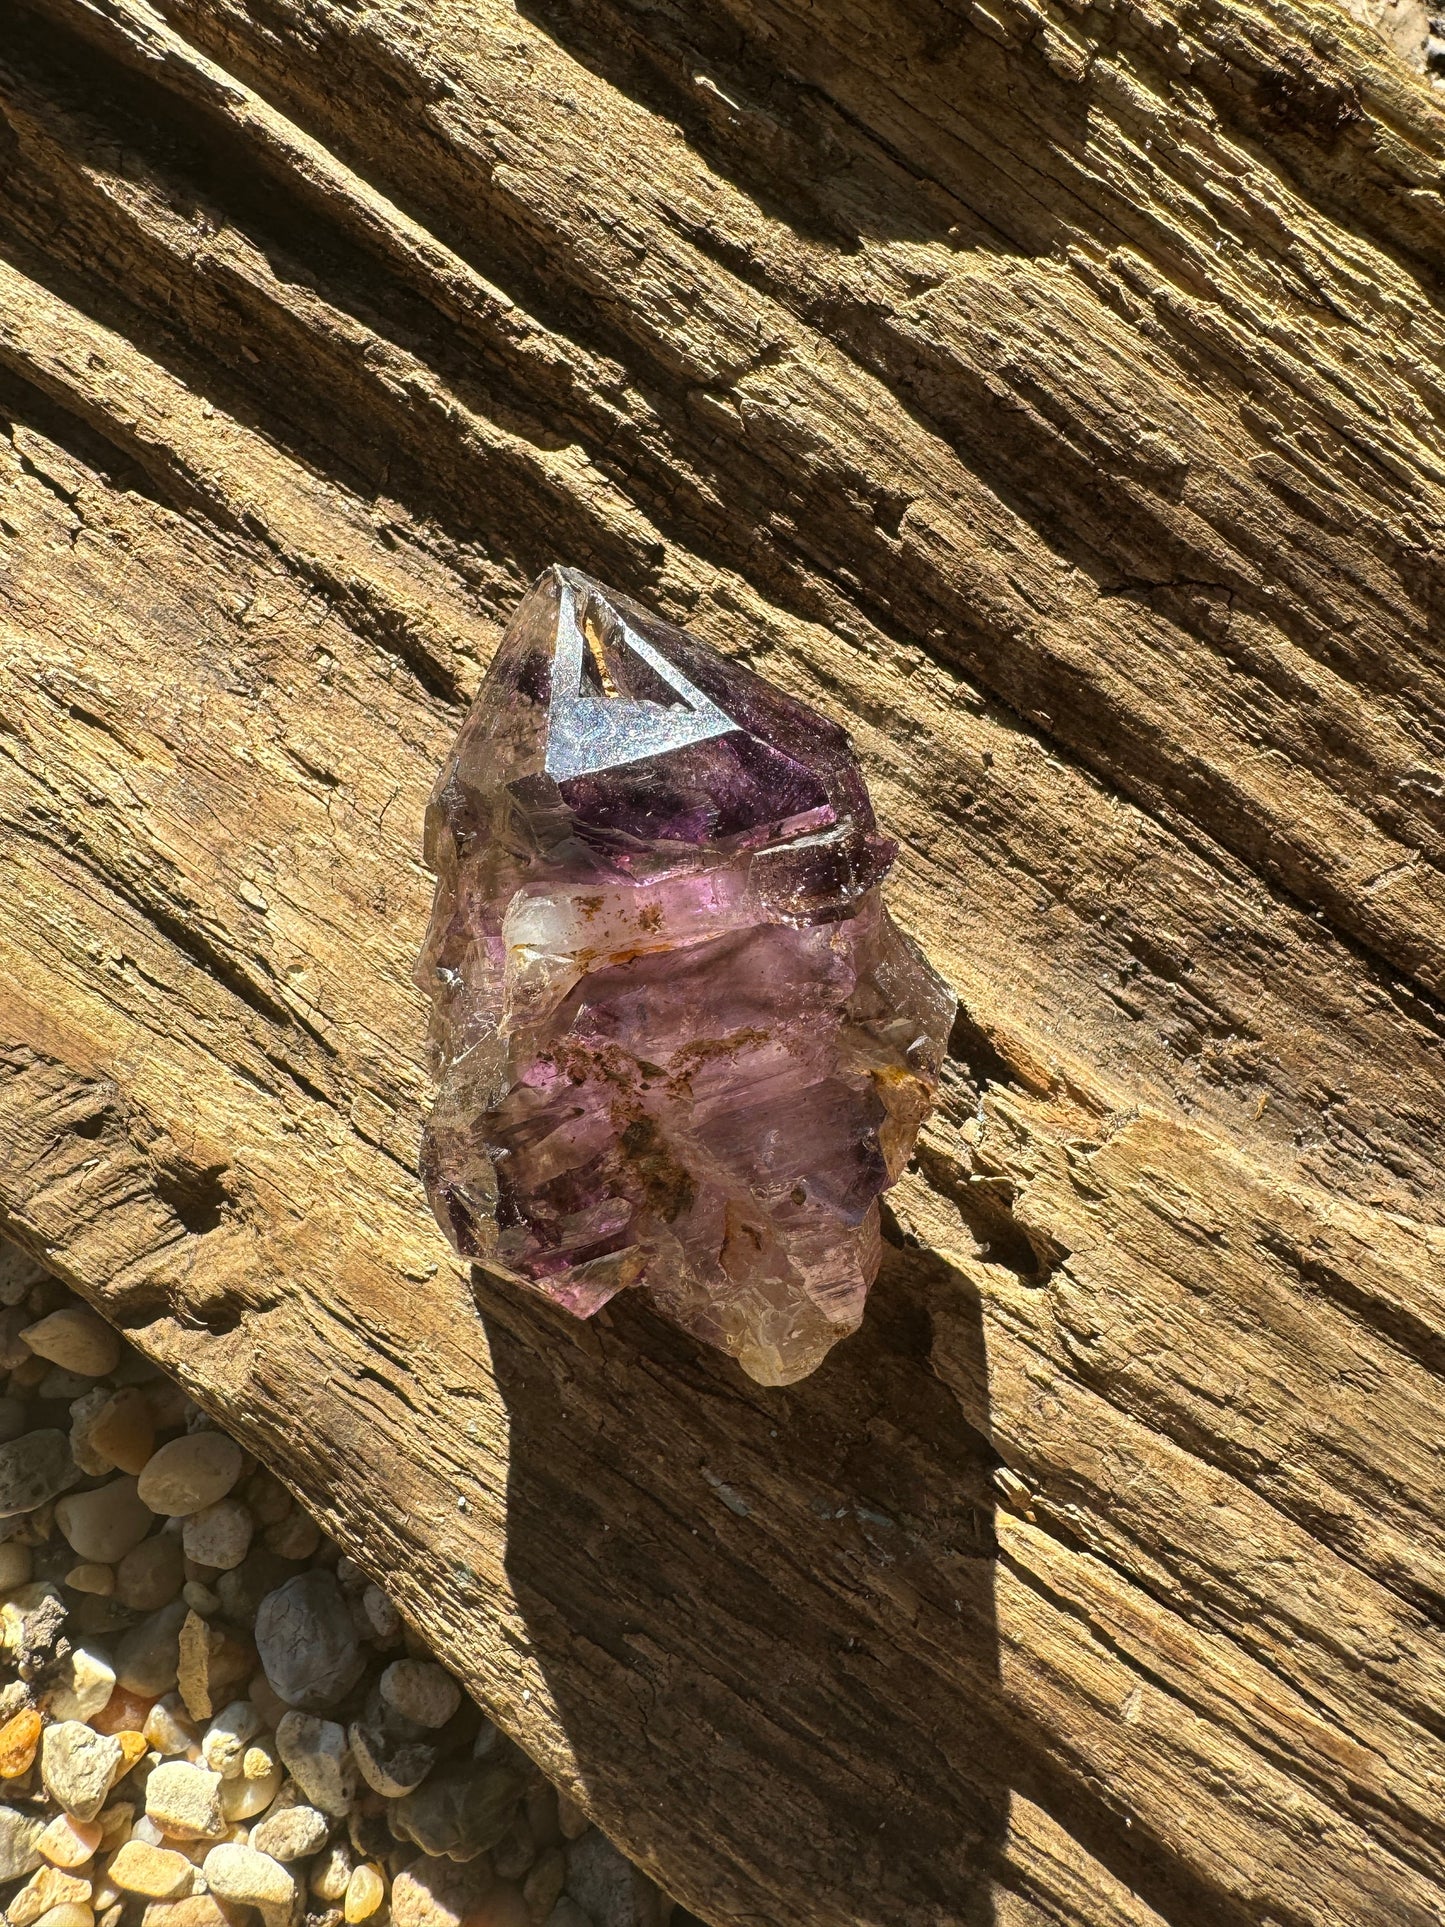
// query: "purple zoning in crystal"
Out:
[680,1042]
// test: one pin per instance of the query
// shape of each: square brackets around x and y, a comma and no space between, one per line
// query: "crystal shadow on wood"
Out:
[680,1042]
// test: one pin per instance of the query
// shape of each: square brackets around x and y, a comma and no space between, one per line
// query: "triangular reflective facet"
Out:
[589,733]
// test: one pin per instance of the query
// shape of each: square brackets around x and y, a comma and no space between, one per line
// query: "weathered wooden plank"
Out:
[1056,397]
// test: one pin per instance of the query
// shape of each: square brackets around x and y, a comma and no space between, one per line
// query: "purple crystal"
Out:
[680,1042]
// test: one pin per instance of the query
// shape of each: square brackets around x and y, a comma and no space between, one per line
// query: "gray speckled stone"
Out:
[33,1468]
[307,1642]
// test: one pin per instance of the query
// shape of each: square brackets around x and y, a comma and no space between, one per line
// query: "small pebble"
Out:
[365,1892]
[123,1712]
[251,1878]
[123,1429]
[68,1842]
[190,1472]
[32,1622]
[291,1833]
[19,1737]
[266,1497]
[389,1767]
[83,1685]
[147,1657]
[115,1822]
[211,1662]
[34,1468]
[542,1888]
[78,1766]
[307,1643]
[158,1873]
[570,1817]
[331,1872]
[267,1702]
[200,1598]
[105,1523]
[420,1690]
[184,1801]
[197,1910]
[459,1811]
[50,1887]
[150,1576]
[19,1842]
[75,1338]
[70,1913]
[297,1536]
[168,1727]
[439,1893]
[227,1737]
[316,1755]
[242,1799]
[83,1413]
[381,1619]
[91,1577]
[219,1535]
[17,1562]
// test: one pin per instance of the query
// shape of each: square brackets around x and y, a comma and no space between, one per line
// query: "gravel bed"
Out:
[208,1716]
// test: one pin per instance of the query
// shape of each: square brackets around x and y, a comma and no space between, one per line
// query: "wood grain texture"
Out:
[1053,391]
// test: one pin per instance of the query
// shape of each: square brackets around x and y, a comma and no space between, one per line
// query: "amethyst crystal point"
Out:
[680,1042]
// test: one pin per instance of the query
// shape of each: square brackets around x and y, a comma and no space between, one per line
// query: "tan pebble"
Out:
[70,1913]
[17,1563]
[420,1690]
[91,1576]
[542,1888]
[115,1822]
[168,1403]
[105,1895]
[83,1684]
[190,1472]
[158,1873]
[68,1842]
[266,1497]
[199,1910]
[250,1793]
[331,1871]
[443,1893]
[76,1339]
[83,1413]
[200,1598]
[297,1536]
[251,1879]
[219,1535]
[168,1726]
[212,1662]
[78,1766]
[51,1887]
[570,1817]
[28,1374]
[105,1523]
[124,1429]
[184,1801]
[19,1738]
[133,1747]
[365,1891]
[224,1743]
[151,1574]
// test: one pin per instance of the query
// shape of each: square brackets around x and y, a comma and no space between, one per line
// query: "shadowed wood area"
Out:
[1053,391]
